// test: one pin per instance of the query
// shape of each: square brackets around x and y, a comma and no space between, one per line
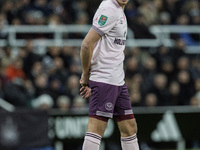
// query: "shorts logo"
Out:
[109,106]
[102,20]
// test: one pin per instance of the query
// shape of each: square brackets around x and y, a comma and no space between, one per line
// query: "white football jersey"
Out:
[107,61]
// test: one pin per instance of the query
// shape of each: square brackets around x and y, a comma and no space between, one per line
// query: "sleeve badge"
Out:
[102,20]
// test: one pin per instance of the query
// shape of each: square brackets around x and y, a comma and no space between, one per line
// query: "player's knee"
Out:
[132,129]
[128,127]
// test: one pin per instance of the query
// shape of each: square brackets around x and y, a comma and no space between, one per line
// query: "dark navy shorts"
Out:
[109,100]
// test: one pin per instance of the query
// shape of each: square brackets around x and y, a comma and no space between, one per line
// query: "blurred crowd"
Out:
[162,76]
[141,14]
[41,81]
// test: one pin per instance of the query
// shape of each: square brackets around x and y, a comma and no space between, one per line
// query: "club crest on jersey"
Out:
[102,20]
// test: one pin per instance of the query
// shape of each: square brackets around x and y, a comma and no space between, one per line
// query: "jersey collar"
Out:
[116,3]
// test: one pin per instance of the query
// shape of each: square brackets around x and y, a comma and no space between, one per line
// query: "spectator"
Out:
[149,12]
[75,67]
[72,86]
[63,103]
[150,100]
[59,70]
[54,20]
[165,18]
[162,54]
[173,7]
[44,101]
[136,82]
[8,56]
[24,6]
[8,9]
[15,70]
[3,23]
[4,78]
[55,88]
[41,84]
[67,56]
[183,63]
[21,53]
[195,68]
[184,20]
[130,10]
[53,51]
[36,70]
[168,69]
[194,101]
[136,97]
[16,93]
[132,67]
[139,28]
[28,85]
[149,71]
[179,49]
[160,90]
[57,7]
[159,5]
[47,63]
[186,87]
[42,6]
[195,20]
[30,57]
[175,95]
[189,7]
[79,103]
[80,7]
[136,52]
[81,19]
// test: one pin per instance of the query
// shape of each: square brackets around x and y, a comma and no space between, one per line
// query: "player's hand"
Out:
[85,91]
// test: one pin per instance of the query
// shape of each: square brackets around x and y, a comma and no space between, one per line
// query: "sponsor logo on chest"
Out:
[119,41]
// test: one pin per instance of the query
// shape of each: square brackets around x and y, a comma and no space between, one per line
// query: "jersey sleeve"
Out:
[104,20]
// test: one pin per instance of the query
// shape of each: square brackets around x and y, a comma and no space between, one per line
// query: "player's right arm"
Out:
[86,51]
[103,21]
[86,54]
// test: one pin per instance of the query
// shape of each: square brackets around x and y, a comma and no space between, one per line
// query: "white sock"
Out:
[130,143]
[92,141]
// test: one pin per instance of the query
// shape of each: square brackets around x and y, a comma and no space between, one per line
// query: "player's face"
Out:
[122,2]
